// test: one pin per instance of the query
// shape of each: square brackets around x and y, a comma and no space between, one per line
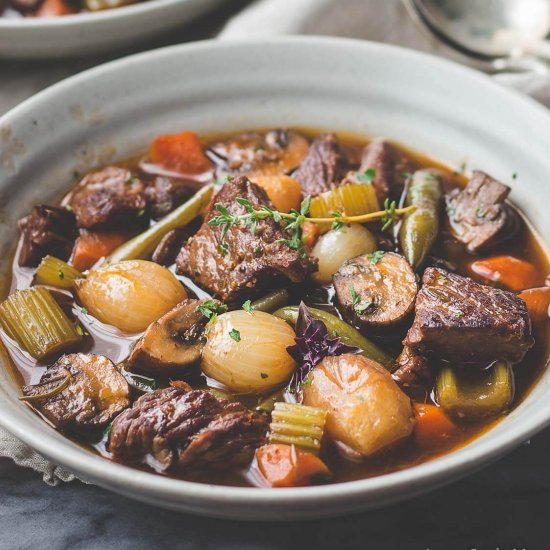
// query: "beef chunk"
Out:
[92,392]
[47,230]
[166,251]
[323,167]
[174,429]
[478,215]
[391,169]
[277,151]
[462,321]
[253,262]
[110,198]
[165,194]
[412,369]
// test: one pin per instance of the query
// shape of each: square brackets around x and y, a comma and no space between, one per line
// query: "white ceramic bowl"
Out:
[87,33]
[427,103]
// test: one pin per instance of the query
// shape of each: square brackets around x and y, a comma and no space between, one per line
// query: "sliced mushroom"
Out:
[79,392]
[376,290]
[174,343]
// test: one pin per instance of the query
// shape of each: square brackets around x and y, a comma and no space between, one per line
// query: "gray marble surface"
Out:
[504,506]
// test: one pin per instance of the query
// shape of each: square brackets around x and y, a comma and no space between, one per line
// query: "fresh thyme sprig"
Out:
[293,220]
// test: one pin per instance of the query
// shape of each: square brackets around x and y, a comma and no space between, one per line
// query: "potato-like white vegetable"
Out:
[247,351]
[335,247]
[130,295]
[366,409]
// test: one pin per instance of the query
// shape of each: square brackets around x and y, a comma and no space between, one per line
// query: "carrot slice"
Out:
[94,245]
[432,424]
[285,466]
[181,153]
[310,234]
[538,302]
[512,272]
[53,8]
[285,192]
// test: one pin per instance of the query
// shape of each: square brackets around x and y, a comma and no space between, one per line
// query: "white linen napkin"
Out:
[378,20]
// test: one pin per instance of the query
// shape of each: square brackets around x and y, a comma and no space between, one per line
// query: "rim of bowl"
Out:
[85,18]
[430,474]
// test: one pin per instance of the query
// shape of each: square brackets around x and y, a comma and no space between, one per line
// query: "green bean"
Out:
[338,328]
[420,227]
[477,394]
[143,245]
[272,301]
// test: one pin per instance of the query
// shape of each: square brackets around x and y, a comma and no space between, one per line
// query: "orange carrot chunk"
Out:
[53,8]
[310,234]
[511,272]
[286,466]
[538,303]
[432,424]
[94,245]
[181,153]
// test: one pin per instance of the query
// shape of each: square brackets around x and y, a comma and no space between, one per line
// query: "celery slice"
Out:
[473,395]
[36,322]
[299,425]
[55,272]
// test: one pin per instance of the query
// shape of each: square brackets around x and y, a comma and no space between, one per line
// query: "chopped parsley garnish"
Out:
[235,335]
[61,274]
[211,308]
[356,301]
[375,257]
[514,175]
[264,375]
[481,212]
[367,176]
[247,306]
[141,212]
[430,176]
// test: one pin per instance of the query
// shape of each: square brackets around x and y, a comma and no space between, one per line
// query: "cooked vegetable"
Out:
[247,351]
[508,271]
[141,384]
[352,199]
[376,290]
[52,8]
[285,466]
[55,272]
[367,412]
[310,234]
[80,392]
[475,394]
[337,246]
[91,246]
[267,404]
[432,425]
[420,227]
[538,303]
[145,243]
[298,425]
[338,328]
[130,295]
[284,192]
[181,153]
[35,321]
[99,5]
[271,301]
[174,343]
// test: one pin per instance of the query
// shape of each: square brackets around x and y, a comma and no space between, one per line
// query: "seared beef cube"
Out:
[462,321]
[390,166]
[175,429]
[254,262]
[412,369]
[47,230]
[277,151]
[81,393]
[110,198]
[168,249]
[323,167]
[165,194]
[478,214]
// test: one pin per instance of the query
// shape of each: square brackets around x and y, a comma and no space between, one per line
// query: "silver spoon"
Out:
[507,34]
